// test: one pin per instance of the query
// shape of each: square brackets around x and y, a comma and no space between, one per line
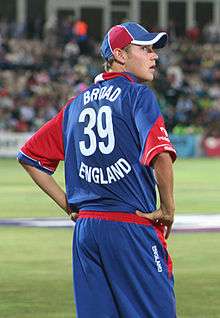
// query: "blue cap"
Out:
[119,36]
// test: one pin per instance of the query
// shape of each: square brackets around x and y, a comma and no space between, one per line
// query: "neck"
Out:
[117,67]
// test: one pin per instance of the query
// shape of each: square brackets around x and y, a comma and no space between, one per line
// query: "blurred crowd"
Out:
[188,87]
[39,75]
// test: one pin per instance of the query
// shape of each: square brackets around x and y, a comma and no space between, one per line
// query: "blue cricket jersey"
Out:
[107,137]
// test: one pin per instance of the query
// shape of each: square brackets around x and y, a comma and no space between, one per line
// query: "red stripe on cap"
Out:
[119,37]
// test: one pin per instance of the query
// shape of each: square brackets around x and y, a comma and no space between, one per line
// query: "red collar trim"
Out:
[110,75]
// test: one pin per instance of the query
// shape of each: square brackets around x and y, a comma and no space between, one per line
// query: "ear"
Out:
[120,55]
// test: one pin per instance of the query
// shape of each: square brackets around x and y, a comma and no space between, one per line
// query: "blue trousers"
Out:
[121,269]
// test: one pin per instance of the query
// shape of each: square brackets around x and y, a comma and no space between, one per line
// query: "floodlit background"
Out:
[49,51]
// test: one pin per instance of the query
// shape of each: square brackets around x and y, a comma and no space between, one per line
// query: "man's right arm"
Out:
[49,185]
[41,155]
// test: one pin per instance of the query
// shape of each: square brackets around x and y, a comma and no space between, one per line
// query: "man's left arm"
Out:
[157,152]
[163,169]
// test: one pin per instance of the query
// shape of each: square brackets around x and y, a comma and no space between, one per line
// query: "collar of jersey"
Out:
[110,75]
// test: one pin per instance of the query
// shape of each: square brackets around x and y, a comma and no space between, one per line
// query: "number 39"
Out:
[104,116]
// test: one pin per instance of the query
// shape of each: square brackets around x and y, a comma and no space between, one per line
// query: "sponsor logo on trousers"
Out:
[157,259]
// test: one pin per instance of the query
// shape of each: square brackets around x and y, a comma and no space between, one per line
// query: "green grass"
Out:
[196,189]
[197,274]
[20,197]
[197,185]
[36,278]
[35,273]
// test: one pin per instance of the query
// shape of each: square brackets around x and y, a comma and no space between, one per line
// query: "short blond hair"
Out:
[108,64]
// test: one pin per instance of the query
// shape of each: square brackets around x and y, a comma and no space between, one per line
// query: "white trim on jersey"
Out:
[99,78]
[169,148]
[36,161]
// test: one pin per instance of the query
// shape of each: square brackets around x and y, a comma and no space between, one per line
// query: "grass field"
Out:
[35,266]
[196,189]
[36,281]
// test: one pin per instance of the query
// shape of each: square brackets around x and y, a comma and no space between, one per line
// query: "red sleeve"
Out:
[45,147]
[157,141]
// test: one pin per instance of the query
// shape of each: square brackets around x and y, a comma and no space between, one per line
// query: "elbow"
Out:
[26,166]
[21,163]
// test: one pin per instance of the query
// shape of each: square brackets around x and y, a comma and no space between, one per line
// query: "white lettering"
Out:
[117,171]
[81,170]
[105,92]
[108,92]
[102,180]
[163,130]
[88,171]
[94,94]
[163,139]
[115,94]
[110,175]
[86,97]
[102,92]
[157,259]
[124,165]
[106,175]
[95,174]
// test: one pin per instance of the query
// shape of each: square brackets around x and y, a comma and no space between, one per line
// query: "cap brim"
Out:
[158,40]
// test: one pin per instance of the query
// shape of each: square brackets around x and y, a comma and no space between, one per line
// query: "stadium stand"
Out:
[39,75]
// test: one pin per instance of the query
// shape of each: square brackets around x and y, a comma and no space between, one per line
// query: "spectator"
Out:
[37,76]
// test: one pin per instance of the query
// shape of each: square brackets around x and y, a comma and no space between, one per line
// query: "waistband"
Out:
[127,218]
[115,216]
